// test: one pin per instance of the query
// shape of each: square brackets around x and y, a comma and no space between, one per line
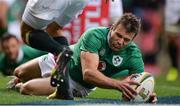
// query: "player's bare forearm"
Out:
[89,62]
[100,80]
[97,78]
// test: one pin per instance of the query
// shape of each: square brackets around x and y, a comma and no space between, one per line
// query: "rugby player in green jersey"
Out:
[100,54]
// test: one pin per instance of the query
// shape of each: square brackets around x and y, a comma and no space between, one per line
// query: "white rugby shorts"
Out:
[39,13]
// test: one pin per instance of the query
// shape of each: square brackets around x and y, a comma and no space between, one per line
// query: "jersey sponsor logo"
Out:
[117,60]
[101,66]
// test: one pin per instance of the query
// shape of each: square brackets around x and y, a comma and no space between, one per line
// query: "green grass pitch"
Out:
[162,88]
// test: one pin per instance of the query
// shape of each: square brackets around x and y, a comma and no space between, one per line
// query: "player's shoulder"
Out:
[133,50]
[27,49]
[98,32]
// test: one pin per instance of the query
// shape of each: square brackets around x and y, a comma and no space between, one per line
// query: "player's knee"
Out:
[18,72]
[54,30]
[26,89]
[25,29]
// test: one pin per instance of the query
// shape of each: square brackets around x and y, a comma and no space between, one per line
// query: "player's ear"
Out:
[112,27]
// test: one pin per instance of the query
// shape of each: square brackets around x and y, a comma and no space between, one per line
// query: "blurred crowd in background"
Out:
[159,38]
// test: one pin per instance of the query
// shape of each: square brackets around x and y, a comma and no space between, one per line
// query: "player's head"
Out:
[10,46]
[123,31]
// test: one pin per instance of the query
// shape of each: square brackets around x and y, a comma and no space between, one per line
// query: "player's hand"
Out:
[153,98]
[12,83]
[124,86]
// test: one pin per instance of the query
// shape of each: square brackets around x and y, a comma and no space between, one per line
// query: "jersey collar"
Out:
[20,55]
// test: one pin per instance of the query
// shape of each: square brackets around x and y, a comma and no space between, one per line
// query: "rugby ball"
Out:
[146,88]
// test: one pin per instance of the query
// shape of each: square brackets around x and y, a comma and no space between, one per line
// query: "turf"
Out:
[165,90]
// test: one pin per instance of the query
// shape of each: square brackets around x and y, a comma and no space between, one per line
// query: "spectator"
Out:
[13,53]
[172,26]
[14,17]
[3,16]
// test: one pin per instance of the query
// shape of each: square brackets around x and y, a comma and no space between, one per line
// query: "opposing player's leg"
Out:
[59,77]
[33,34]
[56,32]
[39,39]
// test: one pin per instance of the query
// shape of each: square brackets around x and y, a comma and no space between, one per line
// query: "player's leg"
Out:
[25,72]
[56,31]
[28,70]
[39,86]
[68,14]
[43,66]
[76,89]
[39,39]
[32,33]
[59,77]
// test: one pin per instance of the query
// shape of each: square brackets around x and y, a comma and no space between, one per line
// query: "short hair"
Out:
[130,22]
[7,36]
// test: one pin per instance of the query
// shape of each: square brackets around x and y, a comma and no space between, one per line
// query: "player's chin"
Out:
[116,49]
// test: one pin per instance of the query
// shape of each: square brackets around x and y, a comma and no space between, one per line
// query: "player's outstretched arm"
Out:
[91,74]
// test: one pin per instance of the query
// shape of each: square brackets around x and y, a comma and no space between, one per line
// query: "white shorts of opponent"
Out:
[40,13]
[47,63]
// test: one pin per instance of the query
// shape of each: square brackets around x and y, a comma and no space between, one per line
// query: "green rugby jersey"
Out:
[111,63]
[7,67]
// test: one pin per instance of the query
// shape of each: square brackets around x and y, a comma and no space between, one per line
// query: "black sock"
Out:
[42,41]
[61,40]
